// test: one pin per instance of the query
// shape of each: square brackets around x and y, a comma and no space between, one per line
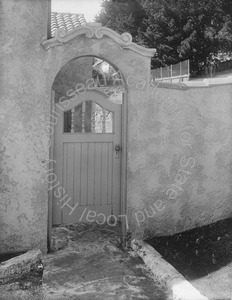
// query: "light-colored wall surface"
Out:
[24,108]
[180,158]
[25,137]
[74,72]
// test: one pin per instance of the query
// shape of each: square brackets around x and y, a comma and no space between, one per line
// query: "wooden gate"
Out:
[87,154]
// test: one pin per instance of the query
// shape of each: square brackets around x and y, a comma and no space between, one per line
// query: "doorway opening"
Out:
[88,154]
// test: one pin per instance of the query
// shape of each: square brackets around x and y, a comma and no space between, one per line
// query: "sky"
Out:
[87,7]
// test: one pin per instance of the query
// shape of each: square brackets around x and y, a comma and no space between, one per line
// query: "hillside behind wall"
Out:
[180,158]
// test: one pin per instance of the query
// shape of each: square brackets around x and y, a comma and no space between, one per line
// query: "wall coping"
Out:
[96,31]
[208,82]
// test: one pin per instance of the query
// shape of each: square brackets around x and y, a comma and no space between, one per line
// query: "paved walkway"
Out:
[100,275]
[90,267]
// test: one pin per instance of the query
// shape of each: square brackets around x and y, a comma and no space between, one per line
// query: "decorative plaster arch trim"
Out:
[96,31]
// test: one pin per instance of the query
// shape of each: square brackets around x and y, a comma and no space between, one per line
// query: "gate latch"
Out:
[117,149]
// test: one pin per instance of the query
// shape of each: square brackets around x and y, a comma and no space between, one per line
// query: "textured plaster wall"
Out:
[29,72]
[179,138]
[74,72]
[24,107]
[180,158]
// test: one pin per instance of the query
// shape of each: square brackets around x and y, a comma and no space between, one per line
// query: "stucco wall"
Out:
[179,137]
[74,72]
[24,106]
[29,71]
[180,158]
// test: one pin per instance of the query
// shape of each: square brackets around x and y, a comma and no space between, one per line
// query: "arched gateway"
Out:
[90,161]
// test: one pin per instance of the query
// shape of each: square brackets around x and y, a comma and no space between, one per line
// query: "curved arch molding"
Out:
[95,31]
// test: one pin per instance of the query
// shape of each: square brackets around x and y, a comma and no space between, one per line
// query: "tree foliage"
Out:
[178,29]
[123,16]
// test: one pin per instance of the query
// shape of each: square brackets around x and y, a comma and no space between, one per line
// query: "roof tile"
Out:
[66,21]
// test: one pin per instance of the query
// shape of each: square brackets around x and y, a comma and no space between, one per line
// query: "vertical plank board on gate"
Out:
[77,173]
[97,174]
[70,172]
[91,171]
[116,203]
[110,172]
[104,167]
[64,177]
[84,173]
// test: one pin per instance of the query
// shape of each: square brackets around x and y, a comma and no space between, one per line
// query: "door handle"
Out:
[117,148]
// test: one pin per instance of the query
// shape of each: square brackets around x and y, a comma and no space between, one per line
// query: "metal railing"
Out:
[174,73]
